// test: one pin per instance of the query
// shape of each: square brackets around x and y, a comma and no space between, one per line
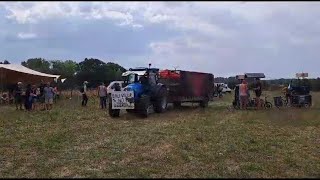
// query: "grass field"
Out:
[71,141]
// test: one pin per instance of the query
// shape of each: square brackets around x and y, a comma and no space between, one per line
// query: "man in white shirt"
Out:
[84,94]
[102,93]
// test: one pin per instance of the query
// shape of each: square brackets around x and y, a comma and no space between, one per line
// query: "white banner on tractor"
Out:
[122,100]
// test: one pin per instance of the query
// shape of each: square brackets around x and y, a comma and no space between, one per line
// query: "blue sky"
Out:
[223,38]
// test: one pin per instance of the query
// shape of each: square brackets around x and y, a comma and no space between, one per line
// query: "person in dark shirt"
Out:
[41,96]
[18,95]
[28,98]
[258,92]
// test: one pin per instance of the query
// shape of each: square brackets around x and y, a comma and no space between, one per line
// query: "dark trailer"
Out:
[188,86]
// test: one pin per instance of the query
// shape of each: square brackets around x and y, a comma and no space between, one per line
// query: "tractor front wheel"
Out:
[113,112]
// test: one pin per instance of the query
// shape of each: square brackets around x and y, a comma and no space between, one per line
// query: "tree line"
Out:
[96,71]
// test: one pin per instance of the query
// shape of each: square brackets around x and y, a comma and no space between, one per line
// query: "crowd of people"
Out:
[31,97]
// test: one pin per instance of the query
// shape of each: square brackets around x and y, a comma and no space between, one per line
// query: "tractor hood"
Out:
[137,89]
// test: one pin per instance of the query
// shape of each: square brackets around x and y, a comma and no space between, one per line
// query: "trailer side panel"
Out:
[190,86]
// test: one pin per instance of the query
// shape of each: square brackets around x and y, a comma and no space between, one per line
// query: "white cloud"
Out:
[34,12]
[23,35]
[210,36]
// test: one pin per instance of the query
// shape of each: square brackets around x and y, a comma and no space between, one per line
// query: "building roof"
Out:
[254,75]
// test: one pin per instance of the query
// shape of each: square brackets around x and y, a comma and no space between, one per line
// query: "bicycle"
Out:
[281,101]
[266,103]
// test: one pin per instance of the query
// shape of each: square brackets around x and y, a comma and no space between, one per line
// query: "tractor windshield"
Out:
[131,78]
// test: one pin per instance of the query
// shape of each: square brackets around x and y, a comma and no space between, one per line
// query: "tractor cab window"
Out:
[132,78]
[143,80]
[152,79]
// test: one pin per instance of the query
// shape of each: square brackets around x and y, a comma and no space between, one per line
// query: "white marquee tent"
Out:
[13,73]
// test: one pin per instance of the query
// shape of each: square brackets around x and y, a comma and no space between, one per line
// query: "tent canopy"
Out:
[13,73]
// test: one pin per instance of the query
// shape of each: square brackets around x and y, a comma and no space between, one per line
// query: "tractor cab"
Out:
[140,80]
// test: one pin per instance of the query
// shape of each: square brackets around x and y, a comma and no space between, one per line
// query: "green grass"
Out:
[71,141]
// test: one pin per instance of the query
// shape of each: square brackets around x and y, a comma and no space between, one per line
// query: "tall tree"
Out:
[37,64]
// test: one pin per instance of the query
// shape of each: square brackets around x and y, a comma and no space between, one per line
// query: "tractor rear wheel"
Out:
[161,103]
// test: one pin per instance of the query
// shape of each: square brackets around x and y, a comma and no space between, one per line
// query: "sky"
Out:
[222,38]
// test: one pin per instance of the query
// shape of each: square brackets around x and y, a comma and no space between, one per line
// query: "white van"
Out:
[225,88]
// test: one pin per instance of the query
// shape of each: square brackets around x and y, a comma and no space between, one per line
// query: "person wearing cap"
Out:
[243,92]
[18,95]
[84,94]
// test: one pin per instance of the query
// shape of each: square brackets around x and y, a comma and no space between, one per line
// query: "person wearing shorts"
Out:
[243,90]
[48,96]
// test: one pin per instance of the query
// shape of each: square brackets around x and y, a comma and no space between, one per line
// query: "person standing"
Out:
[28,98]
[34,97]
[243,90]
[287,94]
[41,96]
[84,93]
[18,95]
[258,92]
[48,96]
[102,93]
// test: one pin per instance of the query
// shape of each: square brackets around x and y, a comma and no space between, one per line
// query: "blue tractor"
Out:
[141,94]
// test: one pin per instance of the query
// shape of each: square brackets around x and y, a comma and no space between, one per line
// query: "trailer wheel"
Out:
[113,112]
[177,104]
[144,106]
[204,103]
[161,101]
